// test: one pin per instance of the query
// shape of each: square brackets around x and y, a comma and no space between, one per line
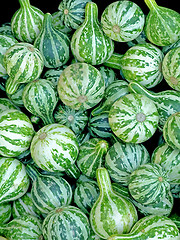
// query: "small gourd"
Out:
[111,213]
[89,43]
[5,212]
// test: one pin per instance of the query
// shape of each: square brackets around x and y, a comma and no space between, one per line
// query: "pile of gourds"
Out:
[78,122]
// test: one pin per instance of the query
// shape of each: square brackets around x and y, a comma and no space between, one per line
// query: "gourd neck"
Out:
[152,5]
[103,180]
[24,3]
[114,61]
[137,88]
[32,172]
[91,12]
[47,22]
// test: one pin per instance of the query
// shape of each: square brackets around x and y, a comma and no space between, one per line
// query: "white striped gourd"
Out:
[162,26]
[16,133]
[23,63]
[171,68]
[91,156]
[167,102]
[169,159]
[40,99]
[16,97]
[53,74]
[123,158]
[151,227]
[176,219]
[54,147]
[171,130]
[14,180]
[122,21]
[5,212]
[48,192]
[6,42]
[108,74]
[81,86]
[6,104]
[26,22]
[66,223]
[59,25]
[71,12]
[149,184]
[53,44]
[5,29]
[85,40]
[111,213]
[24,227]
[133,118]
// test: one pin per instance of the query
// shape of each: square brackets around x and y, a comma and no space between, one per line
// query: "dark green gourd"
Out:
[53,44]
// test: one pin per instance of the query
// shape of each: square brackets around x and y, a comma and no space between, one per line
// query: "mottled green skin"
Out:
[53,74]
[13,179]
[151,227]
[111,213]
[133,118]
[123,158]
[72,12]
[169,159]
[171,131]
[23,63]
[16,133]
[89,43]
[171,68]
[91,156]
[5,212]
[122,21]
[108,74]
[149,184]
[53,44]
[40,99]
[16,97]
[25,227]
[162,26]
[66,223]
[6,104]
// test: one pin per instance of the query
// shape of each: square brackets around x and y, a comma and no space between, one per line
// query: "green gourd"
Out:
[162,26]
[111,213]
[5,212]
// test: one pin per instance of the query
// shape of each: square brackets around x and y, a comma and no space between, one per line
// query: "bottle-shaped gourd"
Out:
[26,22]
[53,44]
[111,213]
[162,26]
[89,43]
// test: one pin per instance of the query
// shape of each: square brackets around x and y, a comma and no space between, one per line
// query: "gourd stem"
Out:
[152,5]
[103,180]
[91,11]
[114,61]
[24,3]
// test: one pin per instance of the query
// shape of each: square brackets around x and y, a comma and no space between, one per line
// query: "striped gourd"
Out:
[26,22]
[6,104]
[23,63]
[123,158]
[111,213]
[175,190]
[98,126]
[142,63]
[5,212]
[5,29]
[171,131]
[85,40]
[40,99]
[162,26]
[171,68]
[83,136]
[16,97]
[54,147]
[6,41]
[66,223]
[59,25]
[53,44]
[53,74]
[169,159]
[133,118]
[91,156]
[149,184]
[151,227]
[81,86]
[141,39]
[16,132]
[25,227]
[167,102]
[166,49]
[176,219]
[108,74]
[14,180]
[113,91]
[76,120]
[48,192]
[24,205]
[71,12]
[86,193]
[122,21]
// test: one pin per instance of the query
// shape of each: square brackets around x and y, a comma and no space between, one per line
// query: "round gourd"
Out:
[54,147]
[122,21]
[133,118]
[5,212]
[81,86]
